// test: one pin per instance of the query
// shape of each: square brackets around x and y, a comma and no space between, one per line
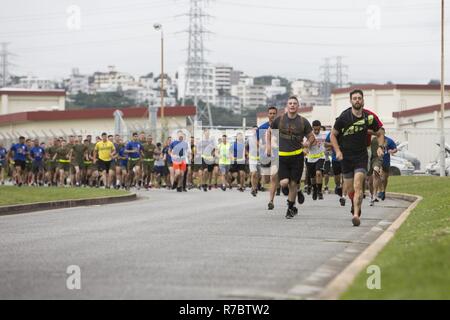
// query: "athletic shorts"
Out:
[148,165]
[161,170]
[20,163]
[224,168]
[79,164]
[133,163]
[291,168]
[313,167]
[179,166]
[237,167]
[65,166]
[2,163]
[327,167]
[352,165]
[255,167]
[337,168]
[37,166]
[209,167]
[104,165]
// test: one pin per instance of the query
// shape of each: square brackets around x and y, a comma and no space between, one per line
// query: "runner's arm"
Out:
[335,144]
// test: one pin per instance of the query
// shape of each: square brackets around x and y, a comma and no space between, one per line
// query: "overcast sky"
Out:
[290,38]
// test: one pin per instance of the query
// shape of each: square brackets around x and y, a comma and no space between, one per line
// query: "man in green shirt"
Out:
[148,150]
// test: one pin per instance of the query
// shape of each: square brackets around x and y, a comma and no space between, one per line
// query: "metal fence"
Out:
[420,141]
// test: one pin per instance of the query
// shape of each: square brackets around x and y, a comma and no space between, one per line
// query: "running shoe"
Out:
[342,201]
[290,213]
[314,195]
[270,206]
[254,193]
[320,194]
[278,191]
[356,221]
[300,197]
[285,191]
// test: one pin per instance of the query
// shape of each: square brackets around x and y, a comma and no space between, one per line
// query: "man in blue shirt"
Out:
[3,163]
[179,151]
[18,153]
[382,148]
[133,150]
[37,154]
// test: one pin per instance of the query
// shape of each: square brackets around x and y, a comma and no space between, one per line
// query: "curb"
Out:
[343,280]
[41,206]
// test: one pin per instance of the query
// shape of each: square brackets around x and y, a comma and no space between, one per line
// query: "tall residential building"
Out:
[223,79]
[206,91]
[308,91]
[112,80]
[251,96]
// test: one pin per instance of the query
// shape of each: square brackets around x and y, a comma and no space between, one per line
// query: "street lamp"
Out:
[159,27]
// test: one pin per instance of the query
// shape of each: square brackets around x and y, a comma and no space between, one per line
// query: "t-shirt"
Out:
[104,150]
[134,145]
[51,152]
[78,152]
[317,151]
[165,152]
[62,153]
[159,159]
[37,153]
[179,150]
[148,150]
[224,153]
[238,152]
[353,132]
[3,153]
[20,151]
[291,132]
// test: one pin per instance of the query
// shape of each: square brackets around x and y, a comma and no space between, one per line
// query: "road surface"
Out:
[194,245]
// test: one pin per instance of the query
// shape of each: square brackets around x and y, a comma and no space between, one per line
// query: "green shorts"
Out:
[148,165]
[50,165]
[64,166]
[133,163]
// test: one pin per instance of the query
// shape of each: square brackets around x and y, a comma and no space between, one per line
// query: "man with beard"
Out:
[349,140]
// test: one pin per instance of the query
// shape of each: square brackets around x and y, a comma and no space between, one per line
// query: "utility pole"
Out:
[442,144]
[195,70]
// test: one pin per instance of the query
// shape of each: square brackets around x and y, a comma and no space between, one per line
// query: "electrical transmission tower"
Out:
[341,72]
[5,63]
[326,84]
[195,85]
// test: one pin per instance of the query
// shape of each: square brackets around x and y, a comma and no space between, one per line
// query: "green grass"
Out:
[10,195]
[415,264]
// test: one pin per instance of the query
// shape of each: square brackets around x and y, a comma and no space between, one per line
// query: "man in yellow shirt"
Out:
[104,150]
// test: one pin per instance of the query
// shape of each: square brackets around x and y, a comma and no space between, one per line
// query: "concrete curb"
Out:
[343,280]
[41,206]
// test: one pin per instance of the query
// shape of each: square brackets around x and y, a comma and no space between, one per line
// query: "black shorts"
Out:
[104,165]
[237,167]
[209,167]
[337,168]
[291,168]
[20,163]
[161,170]
[37,167]
[351,165]
[313,167]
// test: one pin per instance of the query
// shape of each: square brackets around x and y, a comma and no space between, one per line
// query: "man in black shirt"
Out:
[349,139]
[292,129]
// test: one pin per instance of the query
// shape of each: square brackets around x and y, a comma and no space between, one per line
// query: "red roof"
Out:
[103,113]
[422,110]
[35,93]
[391,87]
[281,111]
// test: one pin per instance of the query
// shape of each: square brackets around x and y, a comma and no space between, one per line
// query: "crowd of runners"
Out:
[355,152]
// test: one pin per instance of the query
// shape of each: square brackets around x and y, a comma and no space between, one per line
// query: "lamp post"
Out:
[158,27]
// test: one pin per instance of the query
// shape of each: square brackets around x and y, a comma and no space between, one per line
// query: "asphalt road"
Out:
[195,245]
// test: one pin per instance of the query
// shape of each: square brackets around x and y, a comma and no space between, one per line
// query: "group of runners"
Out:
[355,151]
